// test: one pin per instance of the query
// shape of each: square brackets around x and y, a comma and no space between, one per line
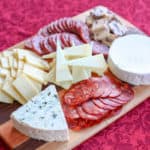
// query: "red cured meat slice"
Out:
[52,41]
[50,28]
[43,31]
[100,104]
[36,44]
[116,91]
[99,48]
[70,112]
[127,93]
[87,116]
[79,93]
[56,27]
[109,102]
[47,47]
[91,108]
[63,22]
[28,44]
[118,100]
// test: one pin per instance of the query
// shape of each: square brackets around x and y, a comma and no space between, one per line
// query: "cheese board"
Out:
[16,140]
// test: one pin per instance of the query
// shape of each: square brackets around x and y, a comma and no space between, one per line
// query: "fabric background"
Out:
[20,19]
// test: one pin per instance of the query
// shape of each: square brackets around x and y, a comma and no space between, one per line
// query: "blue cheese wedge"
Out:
[42,117]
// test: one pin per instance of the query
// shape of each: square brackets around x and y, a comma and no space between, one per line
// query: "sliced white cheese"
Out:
[4,62]
[96,61]
[42,117]
[5,98]
[62,69]
[4,72]
[79,74]
[25,87]
[129,59]
[74,52]
[35,73]
[7,53]
[15,63]
[21,53]
[10,90]
[37,62]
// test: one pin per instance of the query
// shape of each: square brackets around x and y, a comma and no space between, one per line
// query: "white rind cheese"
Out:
[129,59]
[42,117]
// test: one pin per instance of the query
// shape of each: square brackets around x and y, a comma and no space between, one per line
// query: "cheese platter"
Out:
[72,54]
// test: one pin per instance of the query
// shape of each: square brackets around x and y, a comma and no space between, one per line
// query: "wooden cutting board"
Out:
[18,141]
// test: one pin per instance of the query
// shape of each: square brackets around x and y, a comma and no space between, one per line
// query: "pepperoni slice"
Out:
[28,44]
[91,108]
[79,93]
[52,41]
[87,116]
[100,104]
[127,93]
[70,112]
[108,101]
[99,48]
[50,28]
[36,44]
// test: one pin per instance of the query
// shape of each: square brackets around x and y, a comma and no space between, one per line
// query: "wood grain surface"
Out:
[16,140]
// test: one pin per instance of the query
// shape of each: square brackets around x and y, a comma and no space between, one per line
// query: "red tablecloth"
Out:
[20,19]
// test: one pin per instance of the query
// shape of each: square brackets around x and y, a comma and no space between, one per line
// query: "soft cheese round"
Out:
[129,59]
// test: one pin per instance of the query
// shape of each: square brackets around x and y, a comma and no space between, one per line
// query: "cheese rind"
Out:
[129,59]
[42,117]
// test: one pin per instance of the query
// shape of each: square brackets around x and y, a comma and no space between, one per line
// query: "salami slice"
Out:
[70,112]
[28,44]
[87,116]
[36,44]
[91,108]
[127,93]
[47,47]
[43,31]
[99,48]
[117,100]
[108,101]
[100,104]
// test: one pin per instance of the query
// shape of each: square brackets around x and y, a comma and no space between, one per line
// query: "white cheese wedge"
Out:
[42,117]
[4,72]
[10,90]
[92,62]
[62,69]
[73,52]
[129,59]
[80,73]
[35,73]
[25,87]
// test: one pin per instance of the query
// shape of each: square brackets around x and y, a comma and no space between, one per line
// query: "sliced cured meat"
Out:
[87,116]
[47,47]
[99,87]
[52,41]
[108,101]
[127,93]
[70,25]
[116,91]
[79,93]
[28,44]
[43,31]
[70,112]
[36,44]
[99,48]
[118,100]
[93,109]
[100,104]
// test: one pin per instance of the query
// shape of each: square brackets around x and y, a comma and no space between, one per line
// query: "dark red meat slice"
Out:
[87,116]
[43,31]
[117,100]
[36,44]
[100,104]
[70,112]
[47,47]
[99,48]
[91,108]
[28,44]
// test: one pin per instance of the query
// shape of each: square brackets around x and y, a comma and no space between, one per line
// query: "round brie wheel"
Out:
[129,59]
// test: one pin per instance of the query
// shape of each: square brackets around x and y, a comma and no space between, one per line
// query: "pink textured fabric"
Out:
[20,19]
